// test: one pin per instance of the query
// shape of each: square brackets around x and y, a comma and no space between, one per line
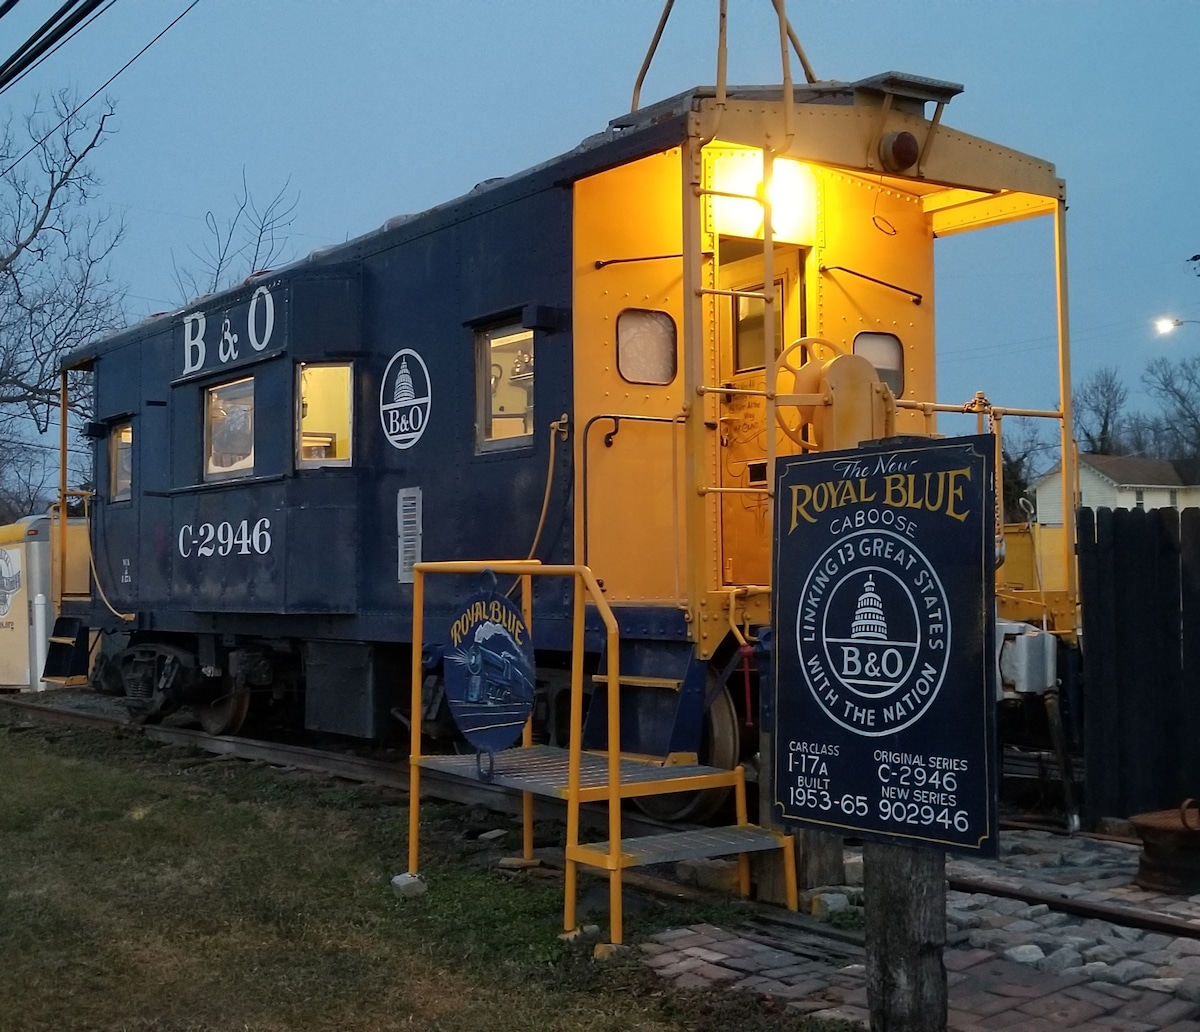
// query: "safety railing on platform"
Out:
[603,776]
[585,586]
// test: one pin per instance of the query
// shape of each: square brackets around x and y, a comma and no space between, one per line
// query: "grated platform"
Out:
[696,844]
[543,770]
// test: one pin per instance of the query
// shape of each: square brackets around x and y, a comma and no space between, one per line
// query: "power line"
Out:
[48,33]
[5,85]
[94,95]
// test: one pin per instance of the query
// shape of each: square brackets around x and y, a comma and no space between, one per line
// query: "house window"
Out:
[885,352]
[120,462]
[1173,498]
[229,430]
[504,387]
[646,351]
[1139,498]
[325,421]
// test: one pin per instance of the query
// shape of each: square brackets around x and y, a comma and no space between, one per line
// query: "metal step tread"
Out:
[695,844]
[639,681]
[543,770]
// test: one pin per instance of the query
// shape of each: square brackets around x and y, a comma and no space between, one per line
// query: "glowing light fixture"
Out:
[792,194]
[1166,324]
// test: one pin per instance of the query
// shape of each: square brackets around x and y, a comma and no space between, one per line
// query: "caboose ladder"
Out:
[578,776]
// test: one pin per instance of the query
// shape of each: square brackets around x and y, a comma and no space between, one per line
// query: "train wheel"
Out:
[720,746]
[226,714]
[107,678]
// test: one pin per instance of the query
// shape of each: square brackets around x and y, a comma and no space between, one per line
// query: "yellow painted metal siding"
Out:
[78,576]
[634,514]
[1034,558]
[879,231]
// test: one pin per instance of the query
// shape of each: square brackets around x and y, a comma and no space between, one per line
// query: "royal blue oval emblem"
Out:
[490,672]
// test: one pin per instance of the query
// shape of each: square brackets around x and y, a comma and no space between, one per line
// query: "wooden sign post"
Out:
[883,690]
[905,890]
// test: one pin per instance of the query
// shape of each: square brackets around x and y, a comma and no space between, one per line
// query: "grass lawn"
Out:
[152,889]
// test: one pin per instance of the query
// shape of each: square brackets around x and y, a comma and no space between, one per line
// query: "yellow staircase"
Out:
[580,777]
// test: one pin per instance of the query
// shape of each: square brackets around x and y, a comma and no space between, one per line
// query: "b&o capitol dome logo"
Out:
[405,398]
[873,632]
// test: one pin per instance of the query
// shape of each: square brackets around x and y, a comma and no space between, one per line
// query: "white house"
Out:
[1122,482]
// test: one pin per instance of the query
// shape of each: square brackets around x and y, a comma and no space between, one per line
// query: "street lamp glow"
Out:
[1165,325]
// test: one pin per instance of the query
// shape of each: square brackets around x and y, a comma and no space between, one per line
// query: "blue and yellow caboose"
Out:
[593,362]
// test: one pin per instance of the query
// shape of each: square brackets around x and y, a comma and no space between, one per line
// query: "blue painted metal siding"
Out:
[332,532]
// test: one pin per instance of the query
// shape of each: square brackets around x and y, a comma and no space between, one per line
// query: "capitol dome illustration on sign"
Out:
[869,621]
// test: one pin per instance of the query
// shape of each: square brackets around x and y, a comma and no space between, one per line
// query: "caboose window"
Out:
[646,351]
[749,333]
[504,387]
[325,417]
[120,462]
[885,352]
[229,430]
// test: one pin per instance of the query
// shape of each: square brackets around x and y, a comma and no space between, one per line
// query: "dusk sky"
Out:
[372,109]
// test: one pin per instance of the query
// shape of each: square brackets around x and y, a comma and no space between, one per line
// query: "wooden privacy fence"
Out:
[1139,577]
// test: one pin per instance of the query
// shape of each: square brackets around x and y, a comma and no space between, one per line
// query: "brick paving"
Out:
[1008,965]
[823,979]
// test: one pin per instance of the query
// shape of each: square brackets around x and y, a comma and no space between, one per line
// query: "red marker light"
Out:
[899,151]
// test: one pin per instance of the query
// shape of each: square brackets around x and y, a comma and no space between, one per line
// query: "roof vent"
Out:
[910,87]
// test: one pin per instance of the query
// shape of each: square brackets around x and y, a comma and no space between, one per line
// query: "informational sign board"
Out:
[884,674]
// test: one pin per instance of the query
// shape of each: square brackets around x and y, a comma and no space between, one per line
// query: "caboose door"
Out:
[742,430]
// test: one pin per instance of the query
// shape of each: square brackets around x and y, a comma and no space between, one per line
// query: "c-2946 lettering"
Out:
[208,539]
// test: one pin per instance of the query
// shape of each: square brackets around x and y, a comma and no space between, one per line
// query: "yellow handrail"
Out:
[585,585]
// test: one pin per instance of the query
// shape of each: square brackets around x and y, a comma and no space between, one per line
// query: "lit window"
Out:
[646,351]
[229,430]
[749,337]
[326,415]
[885,352]
[504,379]
[120,462]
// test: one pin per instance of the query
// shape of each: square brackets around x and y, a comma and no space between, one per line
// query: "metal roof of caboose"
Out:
[831,123]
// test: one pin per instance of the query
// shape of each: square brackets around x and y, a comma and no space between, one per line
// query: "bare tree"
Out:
[1175,385]
[1030,449]
[1100,416]
[28,481]
[55,290]
[250,240]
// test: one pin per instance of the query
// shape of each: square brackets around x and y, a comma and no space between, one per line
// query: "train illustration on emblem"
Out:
[489,673]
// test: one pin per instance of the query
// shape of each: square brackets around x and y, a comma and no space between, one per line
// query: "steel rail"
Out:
[450,789]
[388,774]
[1113,913]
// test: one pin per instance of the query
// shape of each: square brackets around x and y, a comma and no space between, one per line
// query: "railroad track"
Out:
[393,774]
[389,774]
